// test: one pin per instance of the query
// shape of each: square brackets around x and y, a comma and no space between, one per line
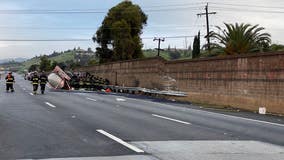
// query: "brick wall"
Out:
[247,82]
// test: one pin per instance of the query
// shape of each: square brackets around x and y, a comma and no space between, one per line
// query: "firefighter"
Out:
[81,83]
[43,80]
[88,82]
[77,82]
[10,80]
[35,82]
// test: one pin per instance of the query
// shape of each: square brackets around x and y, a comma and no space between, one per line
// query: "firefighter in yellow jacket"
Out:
[35,82]
[10,80]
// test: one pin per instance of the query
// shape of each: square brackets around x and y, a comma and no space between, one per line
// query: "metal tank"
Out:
[58,79]
[55,81]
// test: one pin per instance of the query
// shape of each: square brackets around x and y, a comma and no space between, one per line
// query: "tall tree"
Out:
[241,39]
[53,64]
[45,63]
[196,46]
[33,67]
[119,35]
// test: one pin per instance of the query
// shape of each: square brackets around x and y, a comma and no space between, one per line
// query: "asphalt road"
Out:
[74,124]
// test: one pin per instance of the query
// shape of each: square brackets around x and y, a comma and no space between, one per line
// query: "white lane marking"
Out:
[120,141]
[120,99]
[217,114]
[91,99]
[49,104]
[171,119]
[31,94]
[253,120]
[81,94]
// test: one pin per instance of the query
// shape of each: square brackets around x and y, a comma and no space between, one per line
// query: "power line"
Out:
[246,5]
[175,5]
[77,40]
[95,28]
[91,11]
[43,40]
[228,9]
[147,8]
[58,11]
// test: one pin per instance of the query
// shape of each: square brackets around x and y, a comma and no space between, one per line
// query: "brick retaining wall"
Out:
[247,82]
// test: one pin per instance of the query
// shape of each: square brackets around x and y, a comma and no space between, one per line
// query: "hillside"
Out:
[82,57]
[76,56]
[12,60]
[66,56]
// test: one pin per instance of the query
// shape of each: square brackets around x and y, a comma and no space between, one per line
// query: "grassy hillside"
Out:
[64,57]
[67,56]
[70,55]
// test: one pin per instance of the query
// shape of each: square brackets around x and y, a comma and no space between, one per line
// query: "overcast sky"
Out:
[166,18]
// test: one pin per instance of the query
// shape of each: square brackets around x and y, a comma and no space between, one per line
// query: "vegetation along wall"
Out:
[246,82]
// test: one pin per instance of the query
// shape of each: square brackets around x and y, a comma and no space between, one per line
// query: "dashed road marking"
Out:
[171,119]
[217,114]
[120,99]
[118,140]
[91,99]
[49,104]
[31,94]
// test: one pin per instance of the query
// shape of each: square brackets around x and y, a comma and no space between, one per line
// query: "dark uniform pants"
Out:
[35,86]
[42,87]
[9,86]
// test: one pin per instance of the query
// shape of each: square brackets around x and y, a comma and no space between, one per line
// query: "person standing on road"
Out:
[10,80]
[35,82]
[43,80]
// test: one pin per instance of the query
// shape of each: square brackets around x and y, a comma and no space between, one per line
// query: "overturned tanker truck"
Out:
[58,79]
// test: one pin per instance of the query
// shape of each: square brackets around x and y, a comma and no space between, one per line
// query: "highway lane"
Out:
[31,129]
[62,124]
[236,127]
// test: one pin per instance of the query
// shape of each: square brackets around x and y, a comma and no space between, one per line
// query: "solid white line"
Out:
[253,120]
[218,114]
[91,99]
[51,105]
[120,141]
[171,119]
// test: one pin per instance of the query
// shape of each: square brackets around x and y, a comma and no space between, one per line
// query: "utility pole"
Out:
[159,44]
[207,24]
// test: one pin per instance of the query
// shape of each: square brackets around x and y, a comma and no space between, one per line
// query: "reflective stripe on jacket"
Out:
[43,79]
[35,80]
[10,79]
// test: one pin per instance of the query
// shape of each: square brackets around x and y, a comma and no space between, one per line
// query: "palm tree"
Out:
[241,39]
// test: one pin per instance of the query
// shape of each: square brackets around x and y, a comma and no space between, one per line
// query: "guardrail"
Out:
[136,90]
[132,90]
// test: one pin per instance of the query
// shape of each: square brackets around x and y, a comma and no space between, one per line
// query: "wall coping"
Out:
[265,54]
